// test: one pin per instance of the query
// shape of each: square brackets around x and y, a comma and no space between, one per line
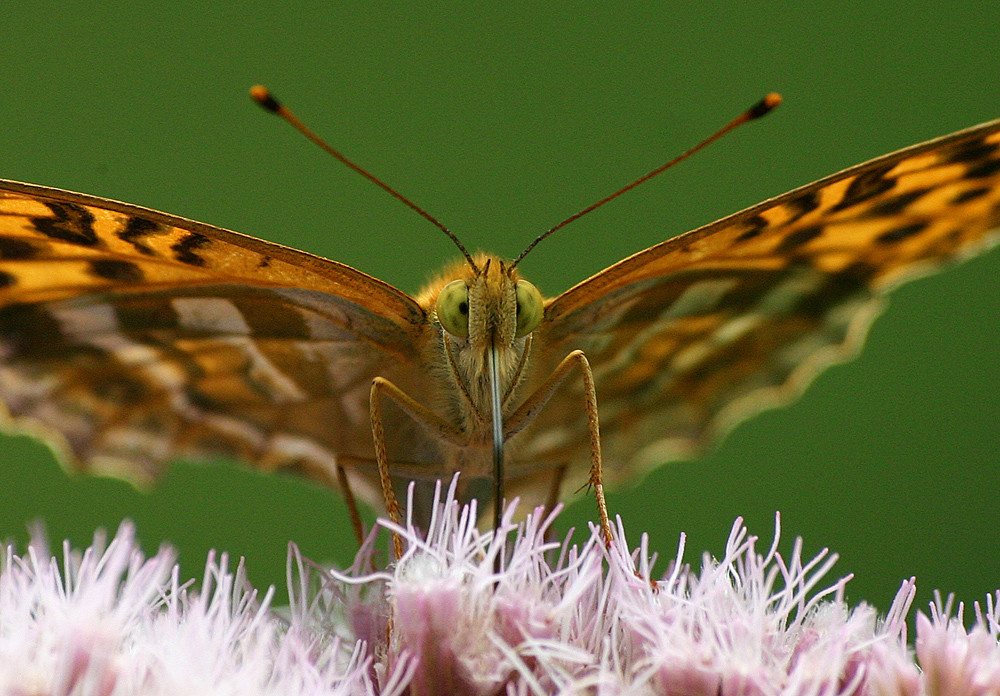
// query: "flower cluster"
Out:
[556,618]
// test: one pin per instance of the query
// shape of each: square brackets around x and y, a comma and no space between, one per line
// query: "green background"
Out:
[502,123]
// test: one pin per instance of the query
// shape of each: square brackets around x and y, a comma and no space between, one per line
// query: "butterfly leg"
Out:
[528,410]
[430,421]
[557,479]
[555,488]
[352,505]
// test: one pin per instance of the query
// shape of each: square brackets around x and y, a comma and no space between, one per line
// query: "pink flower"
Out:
[956,662]
[558,618]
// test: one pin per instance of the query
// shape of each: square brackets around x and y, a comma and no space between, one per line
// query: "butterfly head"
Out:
[484,313]
[488,304]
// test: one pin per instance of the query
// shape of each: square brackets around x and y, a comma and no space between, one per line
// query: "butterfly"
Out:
[130,338]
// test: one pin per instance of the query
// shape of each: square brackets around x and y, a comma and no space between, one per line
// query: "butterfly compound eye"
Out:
[453,308]
[529,308]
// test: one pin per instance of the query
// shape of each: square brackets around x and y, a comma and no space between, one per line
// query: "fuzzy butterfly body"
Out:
[130,338]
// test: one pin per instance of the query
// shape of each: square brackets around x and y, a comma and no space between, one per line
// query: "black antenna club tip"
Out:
[764,106]
[261,95]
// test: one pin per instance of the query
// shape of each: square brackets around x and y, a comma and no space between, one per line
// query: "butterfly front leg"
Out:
[528,410]
[433,423]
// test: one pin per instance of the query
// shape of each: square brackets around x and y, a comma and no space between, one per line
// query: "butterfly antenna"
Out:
[263,96]
[761,108]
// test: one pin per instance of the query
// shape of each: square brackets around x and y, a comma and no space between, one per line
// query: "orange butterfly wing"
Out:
[691,336]
[139,337]
[132,338]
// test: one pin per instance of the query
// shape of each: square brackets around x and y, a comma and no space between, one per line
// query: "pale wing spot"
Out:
[666,449]
[781,300]
[355,404]
[280,387]
[120,345]
[854,310]
[84,322]
[856,321]
[97,326]
[551,439]
[734,329]
[783,297]
[285,447]
[701,298]
[20,387]
[133,442]
[165,374]
[322,327]
[342,360]
[691,356]
[229,426]
[212,315]
[77,425]
[836,336]
[809,345]
[168,375]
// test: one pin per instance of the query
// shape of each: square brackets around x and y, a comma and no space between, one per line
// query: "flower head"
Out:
[556,618]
